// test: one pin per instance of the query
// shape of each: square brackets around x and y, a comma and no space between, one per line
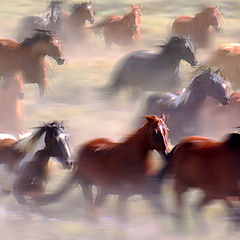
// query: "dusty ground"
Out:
[75,96]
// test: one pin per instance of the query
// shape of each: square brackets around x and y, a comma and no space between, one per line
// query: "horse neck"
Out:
[201,22]
[171,59]
[35,51]
[75,20]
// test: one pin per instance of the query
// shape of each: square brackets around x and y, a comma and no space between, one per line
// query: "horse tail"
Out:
[166,169]
[45,199]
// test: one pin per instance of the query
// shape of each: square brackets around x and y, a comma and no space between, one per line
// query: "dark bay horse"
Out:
[155,72]
[199,27]
[182,110]
[23,163]
[28,57]
[74,21]
[122,31]
[209,165]
[118,168]
[52,22]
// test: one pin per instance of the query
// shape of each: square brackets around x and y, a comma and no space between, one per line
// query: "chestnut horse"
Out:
[23,163]
[227,59]
[52,22]
[118,168]
[28,57]
[74,22]
[199,27]
[11,117]
[206,164]
[120,30]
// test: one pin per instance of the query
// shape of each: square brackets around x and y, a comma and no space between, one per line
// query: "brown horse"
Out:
[11,117]
[74,22]
[120,30]
[28,57]
[199,27]
[118,168]
[206,164]
[227,59]
[23,163]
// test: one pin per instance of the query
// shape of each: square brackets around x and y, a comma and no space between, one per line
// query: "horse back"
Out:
[181,25]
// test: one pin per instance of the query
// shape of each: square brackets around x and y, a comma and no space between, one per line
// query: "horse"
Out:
[74,21]
[117,168]
[227,59]
[182,111]
[199,27]
[52,22]
[206,164]
[28,57]
[12,117]
[154,72]
[23,162]
[122,31]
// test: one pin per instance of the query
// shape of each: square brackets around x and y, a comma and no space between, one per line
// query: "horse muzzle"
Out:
[91,21]
[225,100]
[194,63]
[60,60]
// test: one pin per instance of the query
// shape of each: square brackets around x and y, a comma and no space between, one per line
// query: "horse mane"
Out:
[77,6]
[52,3]
[39,35]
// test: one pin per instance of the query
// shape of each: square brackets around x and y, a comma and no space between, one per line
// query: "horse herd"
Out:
[122,168]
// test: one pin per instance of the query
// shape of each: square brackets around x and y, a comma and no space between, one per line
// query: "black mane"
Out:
[39,35]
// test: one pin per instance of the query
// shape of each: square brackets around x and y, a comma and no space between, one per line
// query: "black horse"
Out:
[23,163]
[52,22]
[181,111]
[155,72]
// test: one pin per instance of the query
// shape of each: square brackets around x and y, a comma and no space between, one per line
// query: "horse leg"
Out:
[234,212]
[99,200]
[42,88]
[108,42]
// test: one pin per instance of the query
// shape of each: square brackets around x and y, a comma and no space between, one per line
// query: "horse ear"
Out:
[217,71]
[140,7]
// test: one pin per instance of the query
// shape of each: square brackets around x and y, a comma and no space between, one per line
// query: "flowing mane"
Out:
[39,35]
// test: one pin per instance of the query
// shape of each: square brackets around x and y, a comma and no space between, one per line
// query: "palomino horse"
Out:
[52,22]
[28,57]
[118,168]
[199,27]
[23,163]
[206,164]
[182,111]
[11,117]
[227,59]
[74,22]
[155,72]
[120,30]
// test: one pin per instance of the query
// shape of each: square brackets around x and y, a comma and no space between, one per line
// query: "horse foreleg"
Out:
[42,88]
[99,200]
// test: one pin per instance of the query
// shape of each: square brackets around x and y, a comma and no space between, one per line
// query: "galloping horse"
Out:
[182,111]
[52,22]
[74,22]
[23,163]
[28,57]
[118,168]
[199,27]
[11,117]
[120,30]
[227,59]
[209,165]
[155,72]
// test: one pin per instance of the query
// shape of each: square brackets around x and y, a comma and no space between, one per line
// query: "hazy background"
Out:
[74,95]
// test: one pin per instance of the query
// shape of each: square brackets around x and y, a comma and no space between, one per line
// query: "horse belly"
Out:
[6,178]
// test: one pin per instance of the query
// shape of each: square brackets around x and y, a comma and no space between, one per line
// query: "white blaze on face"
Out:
[62,136]
[39,145]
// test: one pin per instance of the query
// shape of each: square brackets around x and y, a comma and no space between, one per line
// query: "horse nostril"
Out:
[60,60]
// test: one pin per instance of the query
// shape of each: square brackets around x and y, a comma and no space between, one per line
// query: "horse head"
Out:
[158,133]
[213,85]
[133,18]
[182,47]
[212,14]
[84,11]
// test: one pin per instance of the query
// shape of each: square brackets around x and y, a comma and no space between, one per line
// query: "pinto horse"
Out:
[74,22]
[206,164]
[120,30]
[52,22]
[199,27]
[11,117]
[23,163]
[182,110]
[28,57]
[118,168]
[155,72]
